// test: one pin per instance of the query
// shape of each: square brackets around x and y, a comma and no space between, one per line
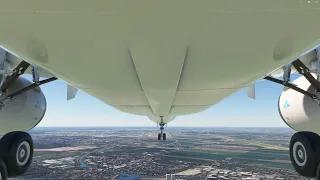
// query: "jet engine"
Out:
[299,111]
[24,111]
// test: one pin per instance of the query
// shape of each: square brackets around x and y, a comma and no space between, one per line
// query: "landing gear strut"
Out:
[161,134]
[304,146]
[302,69]
[19,70]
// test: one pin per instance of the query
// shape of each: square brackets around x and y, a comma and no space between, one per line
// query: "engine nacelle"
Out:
[24,111]
[298,111]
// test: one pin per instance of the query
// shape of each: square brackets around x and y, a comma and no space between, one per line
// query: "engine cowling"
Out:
[24,111]
[298,111]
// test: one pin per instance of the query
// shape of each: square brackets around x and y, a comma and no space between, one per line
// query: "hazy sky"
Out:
[236,110]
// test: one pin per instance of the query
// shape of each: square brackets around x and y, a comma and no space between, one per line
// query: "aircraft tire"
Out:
[303,153]
[159,136]
[3,171]
[164,137]
[318,172]
[16,152]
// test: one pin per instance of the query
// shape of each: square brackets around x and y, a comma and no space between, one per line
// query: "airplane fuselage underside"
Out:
[159,58]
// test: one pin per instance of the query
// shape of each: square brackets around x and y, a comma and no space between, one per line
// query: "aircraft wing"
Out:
[172,61]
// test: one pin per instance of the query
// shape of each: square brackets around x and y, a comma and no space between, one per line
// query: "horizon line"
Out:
[166,127]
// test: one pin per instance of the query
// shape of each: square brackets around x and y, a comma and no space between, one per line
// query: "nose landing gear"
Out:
[161,134]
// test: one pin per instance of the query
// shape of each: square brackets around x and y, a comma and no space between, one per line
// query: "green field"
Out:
[132,150]
[264,156]
[253,162]
[260,157]
[209,155]
[166,159]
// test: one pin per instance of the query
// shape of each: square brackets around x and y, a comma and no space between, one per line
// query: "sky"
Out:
[237,110]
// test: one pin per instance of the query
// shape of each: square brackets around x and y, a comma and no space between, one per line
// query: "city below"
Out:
[128,153]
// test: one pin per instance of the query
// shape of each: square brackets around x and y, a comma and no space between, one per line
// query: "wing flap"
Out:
[71,92]
[251,91]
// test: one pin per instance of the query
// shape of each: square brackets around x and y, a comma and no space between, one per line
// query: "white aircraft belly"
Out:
[159,58]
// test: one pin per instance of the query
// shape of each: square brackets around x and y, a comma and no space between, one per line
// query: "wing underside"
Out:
[158,59]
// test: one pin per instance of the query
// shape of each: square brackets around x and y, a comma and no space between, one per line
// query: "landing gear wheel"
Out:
[303,155]
[17,152]
[164,136]
[159,136]
[318,172]
[3,171]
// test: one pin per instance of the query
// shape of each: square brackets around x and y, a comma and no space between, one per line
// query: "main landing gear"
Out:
[16,148]
[16,153]
[161,134]
[304,146]
[304,153]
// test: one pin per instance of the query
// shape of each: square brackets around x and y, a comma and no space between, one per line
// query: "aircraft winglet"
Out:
[71,92]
